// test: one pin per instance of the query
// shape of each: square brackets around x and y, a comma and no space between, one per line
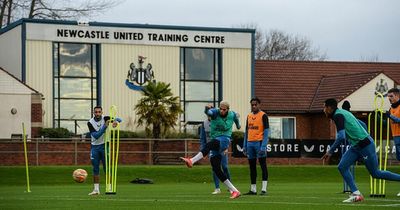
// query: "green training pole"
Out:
[28,189]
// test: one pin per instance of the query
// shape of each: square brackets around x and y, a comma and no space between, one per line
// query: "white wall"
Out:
[39,75]
[13,94]
[363,98]
[236,80]
[13,123]
[10,48]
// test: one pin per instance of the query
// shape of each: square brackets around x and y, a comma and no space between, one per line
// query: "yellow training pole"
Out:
[28,189]
[376,143]
[113,150]
[112,119]
[112,159]
[370,178]
[379,191]
[381,148]
[386,153]
[116,159]
[106,153]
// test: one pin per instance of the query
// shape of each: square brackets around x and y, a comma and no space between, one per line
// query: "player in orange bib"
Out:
[394,115]
[255,145]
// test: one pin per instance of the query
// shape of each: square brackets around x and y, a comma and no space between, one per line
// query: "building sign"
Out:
[294,148]
[138,76]
[144,36]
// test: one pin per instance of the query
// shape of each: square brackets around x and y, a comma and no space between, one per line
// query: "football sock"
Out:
[230,185]
[96,187]
[253,188]
[197,157]
[357,192]
[264,186]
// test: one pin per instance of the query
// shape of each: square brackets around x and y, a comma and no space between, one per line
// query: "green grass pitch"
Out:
[176,187]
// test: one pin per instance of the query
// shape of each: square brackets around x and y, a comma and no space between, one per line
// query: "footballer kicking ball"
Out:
[79,175]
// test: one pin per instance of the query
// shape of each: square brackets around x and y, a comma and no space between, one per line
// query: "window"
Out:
[74,85]
[282,127]
[199,81]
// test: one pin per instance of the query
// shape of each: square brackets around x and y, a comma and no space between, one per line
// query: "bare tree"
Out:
[278,45]
[281,46]
[52,9]
[2,10]
[370,58]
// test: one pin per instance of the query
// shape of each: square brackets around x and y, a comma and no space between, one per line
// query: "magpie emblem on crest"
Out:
[138,76]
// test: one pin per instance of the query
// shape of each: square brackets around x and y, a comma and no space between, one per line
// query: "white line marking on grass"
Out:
[291,197]
[237,201]
[390,205]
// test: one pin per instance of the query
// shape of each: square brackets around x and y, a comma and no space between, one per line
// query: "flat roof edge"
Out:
[125,25]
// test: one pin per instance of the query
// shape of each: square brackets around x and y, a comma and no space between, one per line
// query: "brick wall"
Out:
[312,126]
[131,152]
[66,153]
[36,114]
[303,126]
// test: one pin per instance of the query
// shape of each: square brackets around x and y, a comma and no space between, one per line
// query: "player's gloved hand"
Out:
[326,157]
[387,114]
[262,152]
[237,117]
[114,124]
[225,152]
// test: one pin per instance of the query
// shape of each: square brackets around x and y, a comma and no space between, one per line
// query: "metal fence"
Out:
[39,147]
[44,151]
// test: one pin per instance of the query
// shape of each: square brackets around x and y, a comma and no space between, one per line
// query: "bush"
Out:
[237,135]
[55,133]
[128,134]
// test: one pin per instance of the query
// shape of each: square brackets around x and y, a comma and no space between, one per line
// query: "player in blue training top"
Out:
[204,139]
[222,120]
[97,127]
[362,145]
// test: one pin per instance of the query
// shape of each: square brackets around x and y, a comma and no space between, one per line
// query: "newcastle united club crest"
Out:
[381,88]
[138,76]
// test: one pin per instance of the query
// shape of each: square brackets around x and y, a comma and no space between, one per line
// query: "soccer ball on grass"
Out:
[79,175]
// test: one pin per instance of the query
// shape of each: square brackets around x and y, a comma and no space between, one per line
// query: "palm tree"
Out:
[158,110]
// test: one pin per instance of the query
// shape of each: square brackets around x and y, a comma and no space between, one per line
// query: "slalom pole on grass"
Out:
[28,189]
[377,186]
[112,153]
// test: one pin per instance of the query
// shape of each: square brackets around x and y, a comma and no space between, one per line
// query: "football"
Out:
[79,175]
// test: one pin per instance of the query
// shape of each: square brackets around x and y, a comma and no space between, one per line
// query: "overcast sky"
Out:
[347,30]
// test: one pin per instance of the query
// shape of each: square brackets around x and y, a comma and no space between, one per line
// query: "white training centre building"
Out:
[77,66]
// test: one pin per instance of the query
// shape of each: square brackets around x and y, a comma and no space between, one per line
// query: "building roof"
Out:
[339,87]
[11,85]
[124,25]
[298,86]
